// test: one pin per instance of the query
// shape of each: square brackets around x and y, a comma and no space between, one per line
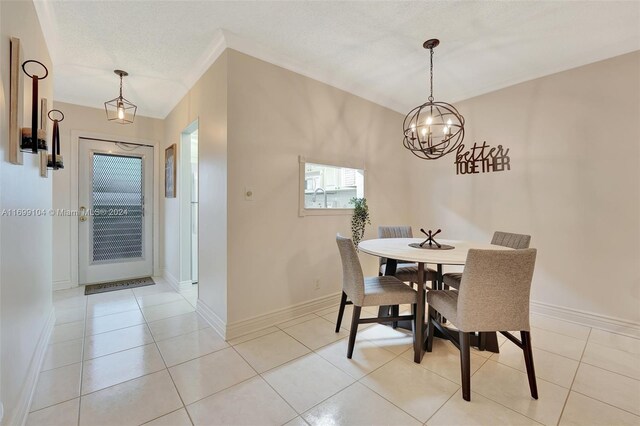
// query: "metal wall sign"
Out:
[482,159]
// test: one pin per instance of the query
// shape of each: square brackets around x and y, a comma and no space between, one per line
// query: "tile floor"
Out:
[143,356]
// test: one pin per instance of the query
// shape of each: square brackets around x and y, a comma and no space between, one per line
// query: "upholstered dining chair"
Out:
[371,291]
[493,296]
[407,272]
[504,239]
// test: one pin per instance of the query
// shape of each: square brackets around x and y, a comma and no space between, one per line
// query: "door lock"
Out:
[83,211]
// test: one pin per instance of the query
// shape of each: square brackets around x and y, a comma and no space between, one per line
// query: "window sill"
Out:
[325,212]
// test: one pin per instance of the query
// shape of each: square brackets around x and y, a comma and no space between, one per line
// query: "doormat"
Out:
[117,285]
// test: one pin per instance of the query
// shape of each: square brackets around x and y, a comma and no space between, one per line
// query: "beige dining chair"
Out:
[504,239]
[493,296]
[370,291]
[405,271]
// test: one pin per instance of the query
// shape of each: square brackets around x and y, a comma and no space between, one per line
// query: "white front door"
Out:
[115,199]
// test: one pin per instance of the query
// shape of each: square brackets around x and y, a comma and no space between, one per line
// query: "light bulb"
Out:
[413,127]
[424,132]
[445,130]
[120,111]
[429,121]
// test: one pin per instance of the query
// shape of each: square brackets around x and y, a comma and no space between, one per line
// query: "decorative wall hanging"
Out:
[15,99]
[119,109]
[482,159]
[54,160]
[433,129]
[44,129]
[430,243]
[27,143]
[170,172]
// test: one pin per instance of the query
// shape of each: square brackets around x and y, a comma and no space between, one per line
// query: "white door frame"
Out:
[74,188]
[184,201]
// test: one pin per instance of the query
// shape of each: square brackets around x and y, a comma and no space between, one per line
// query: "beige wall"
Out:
[207,103]
[92,121]
[25,242]
[574,185]
[275,115]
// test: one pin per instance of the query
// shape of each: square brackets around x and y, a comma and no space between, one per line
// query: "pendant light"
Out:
[433,129]
[119,109]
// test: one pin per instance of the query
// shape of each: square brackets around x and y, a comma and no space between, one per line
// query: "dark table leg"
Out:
[491,339]
[419,330]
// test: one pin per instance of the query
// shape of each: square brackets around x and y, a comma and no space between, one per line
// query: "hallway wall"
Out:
[26,311]
[92,121]
[207,103]
[276,257]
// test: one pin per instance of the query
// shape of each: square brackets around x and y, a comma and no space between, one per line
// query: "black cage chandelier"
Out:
[119,109]
[433,129]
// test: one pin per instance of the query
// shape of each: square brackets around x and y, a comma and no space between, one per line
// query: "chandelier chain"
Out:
[120,85]
[431,75]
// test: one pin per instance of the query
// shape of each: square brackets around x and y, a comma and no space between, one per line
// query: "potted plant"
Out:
[359,220]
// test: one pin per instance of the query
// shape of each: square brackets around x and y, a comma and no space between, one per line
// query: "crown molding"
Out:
[224,39]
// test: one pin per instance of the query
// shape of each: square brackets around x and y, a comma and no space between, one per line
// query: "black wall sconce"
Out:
[27,143]
[54,160]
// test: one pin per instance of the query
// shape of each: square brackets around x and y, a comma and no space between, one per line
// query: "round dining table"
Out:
[399,250]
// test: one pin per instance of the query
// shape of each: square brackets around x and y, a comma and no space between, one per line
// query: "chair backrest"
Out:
[403,231]
[494,291]
[352,277]
[507,239]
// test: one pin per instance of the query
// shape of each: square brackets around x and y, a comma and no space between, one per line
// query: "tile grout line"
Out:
[166,367]
[574,379]
[264,380]
[607,403]
[84,341]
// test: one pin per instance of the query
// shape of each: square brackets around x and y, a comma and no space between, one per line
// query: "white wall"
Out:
[574,184]
[25,242]
[88,121]
[207,103]
[275,115]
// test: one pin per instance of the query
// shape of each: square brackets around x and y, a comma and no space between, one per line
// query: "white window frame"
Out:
[302,210]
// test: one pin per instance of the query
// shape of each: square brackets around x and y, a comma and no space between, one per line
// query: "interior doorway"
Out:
[194,206]
[189,212]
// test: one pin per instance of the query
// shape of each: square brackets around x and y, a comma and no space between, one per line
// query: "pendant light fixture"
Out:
[119,109]
[433,129]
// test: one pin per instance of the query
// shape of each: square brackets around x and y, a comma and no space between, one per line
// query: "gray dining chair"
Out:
[493,296]
[504,239]
[370,291]
[405,271]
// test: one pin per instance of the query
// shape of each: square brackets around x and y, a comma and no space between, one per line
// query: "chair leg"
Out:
[354,330]
[482,341]
[395,311]
[528,360]
[414,327]
[343,303]
[465,365]
[430,328]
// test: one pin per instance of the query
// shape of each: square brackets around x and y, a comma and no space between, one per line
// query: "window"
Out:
[328,189]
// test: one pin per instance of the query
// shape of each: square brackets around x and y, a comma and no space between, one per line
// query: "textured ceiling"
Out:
[372,49]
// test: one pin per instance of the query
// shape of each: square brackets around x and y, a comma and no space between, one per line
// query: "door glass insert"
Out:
[117,208]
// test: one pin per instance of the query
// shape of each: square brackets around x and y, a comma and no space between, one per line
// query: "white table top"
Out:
[398,248]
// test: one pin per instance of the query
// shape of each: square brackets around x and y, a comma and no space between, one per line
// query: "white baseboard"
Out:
[18,414]
[212,318]
[62,285]
[590,319]
[178,286]
[240,328]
